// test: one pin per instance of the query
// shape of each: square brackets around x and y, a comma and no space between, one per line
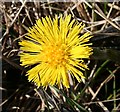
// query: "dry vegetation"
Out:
[100,92]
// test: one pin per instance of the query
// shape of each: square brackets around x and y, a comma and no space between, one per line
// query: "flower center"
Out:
[56,54]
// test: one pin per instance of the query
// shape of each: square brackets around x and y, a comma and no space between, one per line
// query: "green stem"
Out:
[100,68]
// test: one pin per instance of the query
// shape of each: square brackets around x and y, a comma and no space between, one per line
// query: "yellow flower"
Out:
[55,49]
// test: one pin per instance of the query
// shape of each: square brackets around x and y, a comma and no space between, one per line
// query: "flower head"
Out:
[55,48]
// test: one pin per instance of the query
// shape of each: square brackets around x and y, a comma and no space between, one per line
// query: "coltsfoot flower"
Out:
[55,48]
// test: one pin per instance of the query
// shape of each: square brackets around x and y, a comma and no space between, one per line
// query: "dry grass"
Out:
[99,92]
